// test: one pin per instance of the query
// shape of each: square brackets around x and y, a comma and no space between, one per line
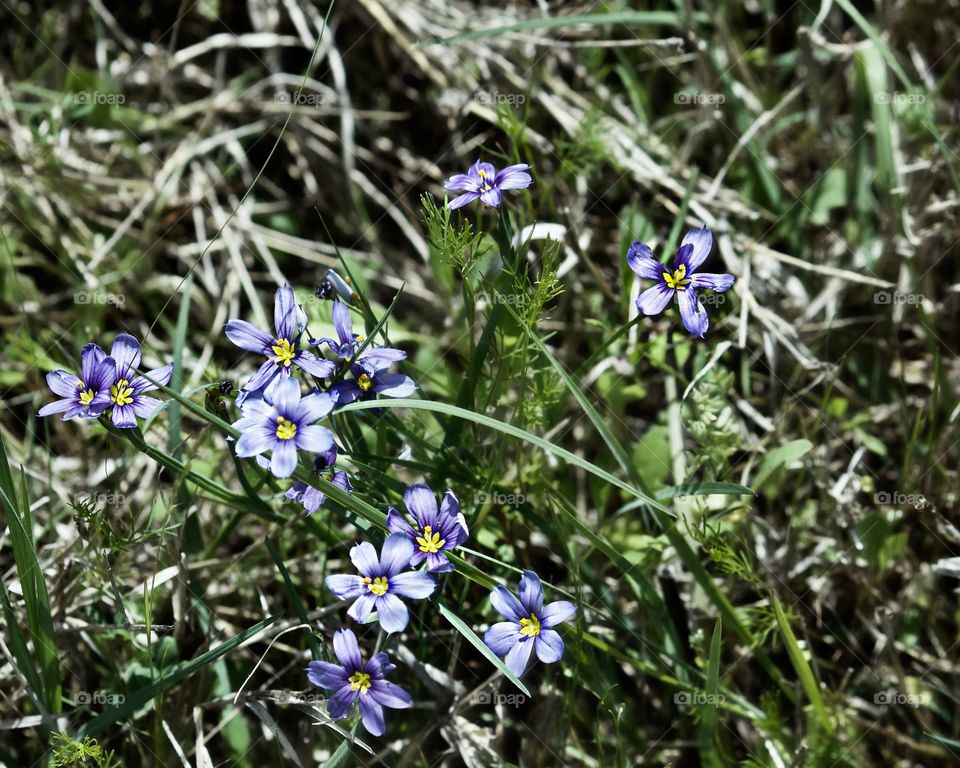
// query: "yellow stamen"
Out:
[530,627]
[284,352]
[121,393]
[364,382]
[678,280]
[359,681]
[86,397]
[430,542]
[286,430]
[378,585]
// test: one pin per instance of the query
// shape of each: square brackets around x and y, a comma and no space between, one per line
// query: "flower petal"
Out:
[549,646]
[286,397]
[393,613]
[641,260]
[347,649]
[701,241]
[556,613]
[422,504]
[126,354]
[340,704]
[395,555]
[506,604]
[437,562]
[394,385]
[413,584]
[313,438]
[342,322]
[519,656]
[364,558]
[462,182]
[371,713]
[362,607]
[714,282]
[314,364]
[124,417]
[285,313]
[396,523]
[57,406]
[346,586]
[90,359]
[62,383]
[248,337]
[531,593]
[314,407]
[145,406]
[159,375]
[325,675]
[514,177]
[390,695]
[656,299]
[693,313]
[501,637]
[462,200]
[255,440]
[491,197]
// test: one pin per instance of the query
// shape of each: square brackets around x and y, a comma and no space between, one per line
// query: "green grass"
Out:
[757,527]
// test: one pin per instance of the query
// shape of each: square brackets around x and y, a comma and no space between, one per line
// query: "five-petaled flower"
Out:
[281,350]
[311,498]
[529,625]
[484,182]
[86,395]
[436,530]
[382,583]
[127,391]
[370,378]
[681,282]
[355,682]
[283,422]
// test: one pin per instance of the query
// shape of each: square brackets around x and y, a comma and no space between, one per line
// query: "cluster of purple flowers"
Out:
[107,383]
[484,182]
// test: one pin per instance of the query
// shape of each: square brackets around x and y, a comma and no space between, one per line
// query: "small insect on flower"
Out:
[528,628]
[680,282]
[382,583]
[332,286]
[485,183]
[356,682]
[282,350]
[127,390]
[86,395]
[312,498]
[434,531]
[282,423]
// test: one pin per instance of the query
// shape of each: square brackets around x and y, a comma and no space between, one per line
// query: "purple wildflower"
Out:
[282,350]
[347,344]
[311,498]
[484,182]
[682,282]
[529,625]
[435,531]
[282,423]
[382,583]
[355,682]
[86,395]
[126,392]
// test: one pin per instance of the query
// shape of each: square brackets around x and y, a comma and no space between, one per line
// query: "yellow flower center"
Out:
[530,627]
[121,393]
[286,430]
[359,681]
[378,585]
[430,541]
[364,382]
[361,339]
[86,397]
[678,280]
[284,352]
